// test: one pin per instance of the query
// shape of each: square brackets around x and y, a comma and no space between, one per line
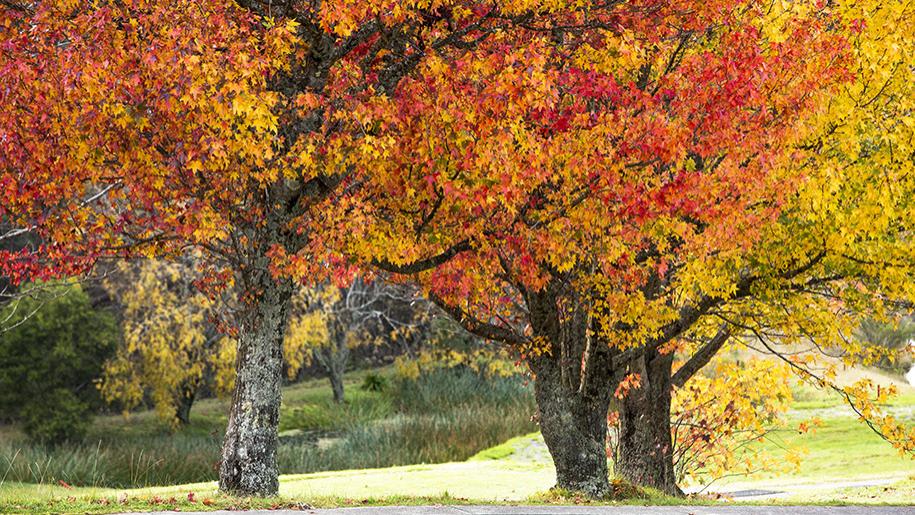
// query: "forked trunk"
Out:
[574,427]
[644,453]
[336,384]
[333,358]
[249,466]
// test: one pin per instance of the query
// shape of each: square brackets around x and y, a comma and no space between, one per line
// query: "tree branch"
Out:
[477,326]
[423,264]
[702,356]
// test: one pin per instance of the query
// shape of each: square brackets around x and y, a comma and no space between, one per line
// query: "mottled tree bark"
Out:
[644,453]
[249,464]
[571,386]
[574,428]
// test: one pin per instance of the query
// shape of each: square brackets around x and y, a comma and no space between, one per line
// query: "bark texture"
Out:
[333,358]
[249,465]
[644,452]
[336,384]
[575,431]
[571,386]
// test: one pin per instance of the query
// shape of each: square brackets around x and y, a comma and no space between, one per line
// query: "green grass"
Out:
[448,416]
[898,493]
[510,478]
[842,448]
[517,470]
[503,474]
[503,450]
[409,425]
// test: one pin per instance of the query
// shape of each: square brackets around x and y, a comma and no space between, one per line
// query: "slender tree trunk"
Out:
[574,427]
[183,404]
[644,454]
[336,384]
[249,464]
[338,362]
[333,358]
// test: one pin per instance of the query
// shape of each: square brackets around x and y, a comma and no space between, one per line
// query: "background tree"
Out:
[172,349]
[50,362]
[449,346]
[331,320]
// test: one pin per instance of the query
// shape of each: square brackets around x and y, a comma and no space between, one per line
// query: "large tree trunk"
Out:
[574,427]
[644,453]
[571,389]
[249,465]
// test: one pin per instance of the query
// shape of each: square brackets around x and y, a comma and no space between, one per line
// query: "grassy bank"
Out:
[340,456]
[516,471]
[442,417]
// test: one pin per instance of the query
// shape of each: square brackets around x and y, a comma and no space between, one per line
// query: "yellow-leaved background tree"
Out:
[175,347]
[172,348]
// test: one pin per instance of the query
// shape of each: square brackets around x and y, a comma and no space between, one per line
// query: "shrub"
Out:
[54,344]
[61,416]
[374,382]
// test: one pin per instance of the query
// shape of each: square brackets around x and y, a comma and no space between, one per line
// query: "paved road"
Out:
[595,510]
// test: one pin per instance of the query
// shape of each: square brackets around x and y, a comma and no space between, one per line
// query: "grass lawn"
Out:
[516,471]
[842,455]
[441,417]
[842,448]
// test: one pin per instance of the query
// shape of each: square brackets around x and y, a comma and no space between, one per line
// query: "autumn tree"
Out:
[689,174]
[172,347]
[237,129]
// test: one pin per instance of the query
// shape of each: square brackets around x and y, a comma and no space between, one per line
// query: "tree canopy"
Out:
[602,184]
